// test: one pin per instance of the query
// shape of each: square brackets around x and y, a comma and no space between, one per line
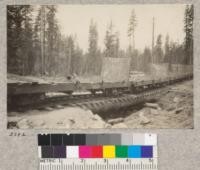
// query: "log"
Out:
[114,121]
[152,105]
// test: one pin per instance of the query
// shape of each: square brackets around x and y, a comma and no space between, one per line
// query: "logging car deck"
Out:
[34,87]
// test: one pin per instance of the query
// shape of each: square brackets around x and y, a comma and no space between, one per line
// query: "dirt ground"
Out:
[60,118]
[172,110]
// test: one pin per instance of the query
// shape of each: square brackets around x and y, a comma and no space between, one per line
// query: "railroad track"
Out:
[116,103]
[98,103]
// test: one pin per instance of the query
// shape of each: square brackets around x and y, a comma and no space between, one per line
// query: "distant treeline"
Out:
[35,45]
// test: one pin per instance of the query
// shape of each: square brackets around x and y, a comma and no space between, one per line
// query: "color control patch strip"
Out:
[97,146]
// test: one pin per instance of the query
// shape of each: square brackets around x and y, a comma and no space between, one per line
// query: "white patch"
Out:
[150,139]
[72,152]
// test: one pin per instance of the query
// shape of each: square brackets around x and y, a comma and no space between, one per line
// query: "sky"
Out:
[169,19]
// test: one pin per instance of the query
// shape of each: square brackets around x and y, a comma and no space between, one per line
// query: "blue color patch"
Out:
[147,151]
[134,151]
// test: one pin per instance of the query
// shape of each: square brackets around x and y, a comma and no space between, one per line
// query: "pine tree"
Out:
[92,64]
[117,44]
[167,58]
[28,57]
[52,34]
[78,61]
[188,28]
[146,56]
[14,24]
[70,57]
[40,40]
[131,29]
[47,39]
[111,42]
[158,52]
[19,39]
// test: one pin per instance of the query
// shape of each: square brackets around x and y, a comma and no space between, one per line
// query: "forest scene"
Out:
[36,45]
[100,66]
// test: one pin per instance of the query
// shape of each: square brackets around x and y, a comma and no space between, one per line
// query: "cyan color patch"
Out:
[134,151]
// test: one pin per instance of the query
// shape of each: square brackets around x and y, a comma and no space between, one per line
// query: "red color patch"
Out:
[97,151]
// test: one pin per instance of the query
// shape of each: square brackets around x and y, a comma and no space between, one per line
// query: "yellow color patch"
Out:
[109,151]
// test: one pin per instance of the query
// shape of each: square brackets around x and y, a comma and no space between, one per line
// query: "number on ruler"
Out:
[99,164]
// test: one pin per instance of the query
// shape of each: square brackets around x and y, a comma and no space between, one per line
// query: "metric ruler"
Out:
[97,151]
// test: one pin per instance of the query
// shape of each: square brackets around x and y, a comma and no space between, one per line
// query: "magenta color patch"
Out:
[85,151]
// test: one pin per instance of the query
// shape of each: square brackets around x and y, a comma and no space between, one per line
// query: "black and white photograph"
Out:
[124,66]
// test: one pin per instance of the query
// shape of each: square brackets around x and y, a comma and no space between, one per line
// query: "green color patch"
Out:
[121,151]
